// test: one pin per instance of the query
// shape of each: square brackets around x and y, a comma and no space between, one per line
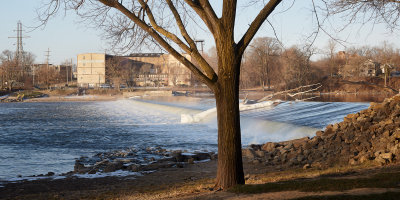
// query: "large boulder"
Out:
[249,153]
[113,166]
[269,146]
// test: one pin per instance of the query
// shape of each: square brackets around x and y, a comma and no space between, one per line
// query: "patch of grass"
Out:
[309,173]
[381,180]
[167,191]
[383,196]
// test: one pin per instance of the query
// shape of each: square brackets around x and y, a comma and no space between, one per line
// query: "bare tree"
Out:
[14,71]
[248,73]
[331,51]
[115,72]
[212,58]
[10,73]
[46,76]
[296,67]
[264,54]
[140,21]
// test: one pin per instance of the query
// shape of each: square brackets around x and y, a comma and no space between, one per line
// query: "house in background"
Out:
[369,69]
[357,66]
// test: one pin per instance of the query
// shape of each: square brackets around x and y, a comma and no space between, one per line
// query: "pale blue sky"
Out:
[66,37]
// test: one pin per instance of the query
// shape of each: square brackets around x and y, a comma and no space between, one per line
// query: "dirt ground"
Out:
[194,181]
[200,175]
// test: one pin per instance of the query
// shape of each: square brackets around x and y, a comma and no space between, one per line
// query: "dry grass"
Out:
[190,188]
[293,178]
[332,179]
[298,173]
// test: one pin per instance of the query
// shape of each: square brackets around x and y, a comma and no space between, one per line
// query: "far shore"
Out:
[75,98]
[253,94]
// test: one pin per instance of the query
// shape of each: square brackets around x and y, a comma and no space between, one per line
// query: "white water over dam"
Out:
[269,120]
[36,138]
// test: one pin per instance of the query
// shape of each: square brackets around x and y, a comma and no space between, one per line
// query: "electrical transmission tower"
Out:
[19,54]
[47,56]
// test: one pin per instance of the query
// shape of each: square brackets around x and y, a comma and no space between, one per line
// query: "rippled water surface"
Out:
[36,138]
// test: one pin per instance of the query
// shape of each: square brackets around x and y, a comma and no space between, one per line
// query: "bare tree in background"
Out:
[116,72]
[8,66]
[296,67]
[331,51]
[46,76]
[166,23]
[264,56]
[212,58]
[11,72]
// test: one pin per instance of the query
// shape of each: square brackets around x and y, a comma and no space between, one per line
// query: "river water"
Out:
[36,138]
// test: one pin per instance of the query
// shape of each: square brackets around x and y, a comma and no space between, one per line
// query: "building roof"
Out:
[145,54]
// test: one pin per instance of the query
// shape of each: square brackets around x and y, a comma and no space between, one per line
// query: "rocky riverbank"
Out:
[371,135]
[133,160]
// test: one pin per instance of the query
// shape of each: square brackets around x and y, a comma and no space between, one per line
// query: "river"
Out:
[36,138]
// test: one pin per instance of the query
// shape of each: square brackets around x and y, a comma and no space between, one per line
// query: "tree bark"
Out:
[230,166]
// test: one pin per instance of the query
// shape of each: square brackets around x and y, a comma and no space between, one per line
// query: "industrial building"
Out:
[91,69]
[140,69]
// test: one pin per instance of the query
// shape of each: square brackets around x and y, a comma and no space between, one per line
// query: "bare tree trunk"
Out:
[230,166]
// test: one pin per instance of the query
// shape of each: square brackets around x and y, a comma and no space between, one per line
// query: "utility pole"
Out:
[201,44]
[47,66]
[19,54]
[33,75]
[66,67]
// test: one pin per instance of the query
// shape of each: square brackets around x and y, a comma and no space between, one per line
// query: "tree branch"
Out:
[181,26]
[152,32]
[229,15]
[161,30]
[205,12]
[210,73]
[256,24]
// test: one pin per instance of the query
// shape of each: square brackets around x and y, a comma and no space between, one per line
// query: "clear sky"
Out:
[63,35]
[66,37]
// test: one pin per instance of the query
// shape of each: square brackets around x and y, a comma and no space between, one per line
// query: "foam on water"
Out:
[121,173]
[202,116]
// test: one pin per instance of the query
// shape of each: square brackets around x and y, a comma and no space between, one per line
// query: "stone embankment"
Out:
[138,161]
[369,135]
